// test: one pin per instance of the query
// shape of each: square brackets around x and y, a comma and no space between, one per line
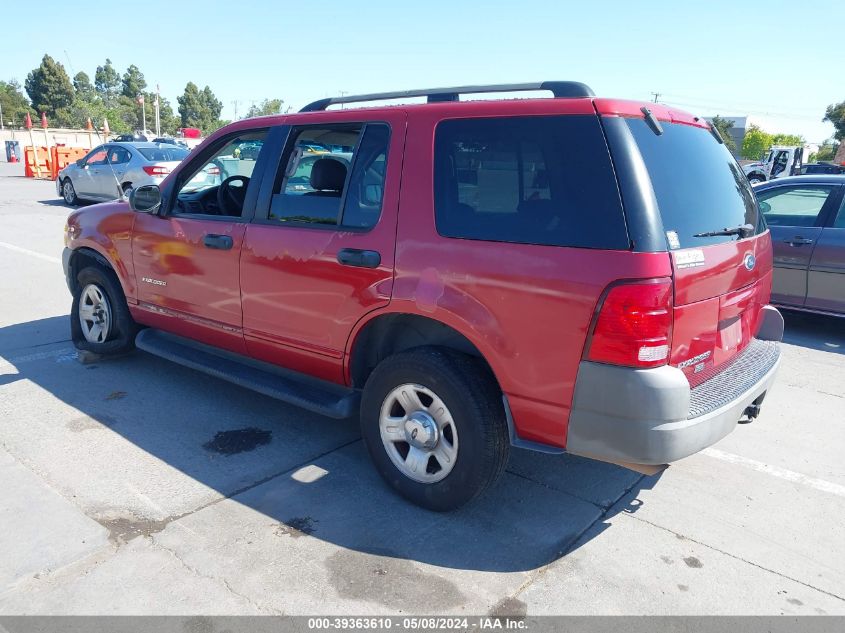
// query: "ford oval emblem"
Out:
[750,261]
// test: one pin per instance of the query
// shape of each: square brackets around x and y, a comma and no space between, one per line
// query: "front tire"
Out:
[754,179]
[434,424]
[100,321]
[69,193]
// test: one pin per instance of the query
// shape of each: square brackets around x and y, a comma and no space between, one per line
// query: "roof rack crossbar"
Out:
[560,89]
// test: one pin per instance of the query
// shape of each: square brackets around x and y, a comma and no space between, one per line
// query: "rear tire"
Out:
[99,320]
[434,424]
[69,193]
[756,179]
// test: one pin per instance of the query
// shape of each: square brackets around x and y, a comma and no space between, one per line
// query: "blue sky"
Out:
[775,59]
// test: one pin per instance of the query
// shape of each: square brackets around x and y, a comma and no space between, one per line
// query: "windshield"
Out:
[163,154]
[698,185]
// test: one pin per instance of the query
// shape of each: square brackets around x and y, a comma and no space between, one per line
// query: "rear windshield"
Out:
[163,154]
[698,185]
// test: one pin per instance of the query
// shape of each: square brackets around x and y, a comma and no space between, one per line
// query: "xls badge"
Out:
[749,261]
[695,360]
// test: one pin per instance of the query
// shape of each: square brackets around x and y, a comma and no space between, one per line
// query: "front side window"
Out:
[218,183]
[793,206]
[97,157]
[532,180]
[332,176]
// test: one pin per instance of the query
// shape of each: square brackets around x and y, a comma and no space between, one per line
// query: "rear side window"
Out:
[163,153]
[333,176]
[531,180]
[698,185]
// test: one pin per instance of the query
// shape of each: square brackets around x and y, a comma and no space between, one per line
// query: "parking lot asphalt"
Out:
[137,486]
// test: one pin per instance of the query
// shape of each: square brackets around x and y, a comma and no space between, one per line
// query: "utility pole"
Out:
[656,95]
[235,106]
[1,117]
[158,113]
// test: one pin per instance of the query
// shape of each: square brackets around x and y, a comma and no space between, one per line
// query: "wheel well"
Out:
[126,184]
[84,257]
[393,333]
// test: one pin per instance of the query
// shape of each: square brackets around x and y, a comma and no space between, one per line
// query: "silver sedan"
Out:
[108,171]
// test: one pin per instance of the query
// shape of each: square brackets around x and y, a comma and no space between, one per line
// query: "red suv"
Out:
[564,274]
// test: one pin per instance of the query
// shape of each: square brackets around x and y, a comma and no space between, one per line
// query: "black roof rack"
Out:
[560,89]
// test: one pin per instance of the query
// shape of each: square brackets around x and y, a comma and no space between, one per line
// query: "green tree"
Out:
[133,82]
[49,89]
[268,106]
[200,108]
[13,103]
[82,85]
[724,126]
[835,113]
[787,139]
[107,82]
[826,152]
[756,142]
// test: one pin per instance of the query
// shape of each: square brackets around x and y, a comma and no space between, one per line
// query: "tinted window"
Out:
[839,222]
[698,185]
[362,205]
[163,154]
[793,206]
[533,180]
[316,182]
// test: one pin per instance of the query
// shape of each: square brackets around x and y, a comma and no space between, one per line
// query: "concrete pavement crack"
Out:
[218,579]
[740,559]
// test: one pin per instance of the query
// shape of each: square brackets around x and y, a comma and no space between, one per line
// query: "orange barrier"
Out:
[42,170]
[61,157]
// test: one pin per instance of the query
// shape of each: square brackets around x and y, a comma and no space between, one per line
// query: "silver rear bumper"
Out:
[651,416]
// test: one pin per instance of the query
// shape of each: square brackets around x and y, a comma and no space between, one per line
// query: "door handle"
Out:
[220,242]
[357,257]
[798,241]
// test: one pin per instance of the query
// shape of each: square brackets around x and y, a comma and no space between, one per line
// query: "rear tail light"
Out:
[634,325]
[212,171]
[156,170]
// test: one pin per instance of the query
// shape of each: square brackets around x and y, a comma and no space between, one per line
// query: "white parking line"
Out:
[26,251]
[775,471]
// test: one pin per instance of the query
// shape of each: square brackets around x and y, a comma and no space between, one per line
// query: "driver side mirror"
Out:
[80,162]
[145,199]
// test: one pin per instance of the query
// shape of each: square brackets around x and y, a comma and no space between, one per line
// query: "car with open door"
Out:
[455,275]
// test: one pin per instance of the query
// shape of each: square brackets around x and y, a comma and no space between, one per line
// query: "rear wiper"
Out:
[744,230]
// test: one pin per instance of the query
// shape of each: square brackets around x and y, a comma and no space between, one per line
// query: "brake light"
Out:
[156,170]
[634,325]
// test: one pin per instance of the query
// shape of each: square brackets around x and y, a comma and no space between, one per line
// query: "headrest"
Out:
[328,174]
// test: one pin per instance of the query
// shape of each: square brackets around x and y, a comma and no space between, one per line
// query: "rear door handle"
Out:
[357,257]
[220,242]
[798,241]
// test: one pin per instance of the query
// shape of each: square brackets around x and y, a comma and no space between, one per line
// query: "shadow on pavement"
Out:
[816,331]
[306,474]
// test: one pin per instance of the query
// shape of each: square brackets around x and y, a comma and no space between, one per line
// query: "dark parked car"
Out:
[472,275]
[806,215]
[822,168]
